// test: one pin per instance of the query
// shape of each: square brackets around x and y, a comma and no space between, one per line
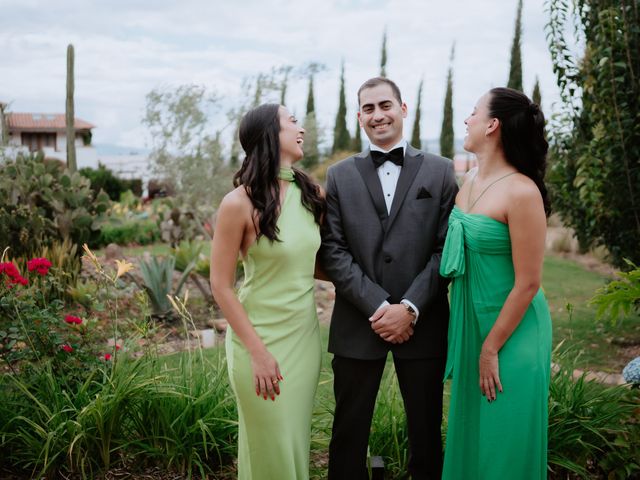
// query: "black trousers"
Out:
[356,384]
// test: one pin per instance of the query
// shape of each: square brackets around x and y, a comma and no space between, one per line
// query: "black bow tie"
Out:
[396,156]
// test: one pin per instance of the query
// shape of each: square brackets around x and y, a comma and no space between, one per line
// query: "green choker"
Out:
[287,174]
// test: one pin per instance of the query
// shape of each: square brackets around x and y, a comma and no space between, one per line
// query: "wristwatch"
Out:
[409,309]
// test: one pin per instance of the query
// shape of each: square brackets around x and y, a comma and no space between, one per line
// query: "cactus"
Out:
[70,114]
[41,201]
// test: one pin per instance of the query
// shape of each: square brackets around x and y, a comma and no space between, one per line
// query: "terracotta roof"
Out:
[43,121]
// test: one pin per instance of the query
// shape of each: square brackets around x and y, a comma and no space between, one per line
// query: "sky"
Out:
[126,48]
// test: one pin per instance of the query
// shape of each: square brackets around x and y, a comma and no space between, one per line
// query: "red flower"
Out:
[67,348]
[107,356]
[72,319]
[40,265]
[118,347]
[10,270]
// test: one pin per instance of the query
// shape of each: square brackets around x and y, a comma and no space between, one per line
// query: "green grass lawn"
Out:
[566,282]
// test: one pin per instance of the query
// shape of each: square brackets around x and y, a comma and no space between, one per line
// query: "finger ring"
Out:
[274,382]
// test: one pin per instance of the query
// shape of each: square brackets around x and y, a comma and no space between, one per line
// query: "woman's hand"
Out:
[266,374]
[489,374]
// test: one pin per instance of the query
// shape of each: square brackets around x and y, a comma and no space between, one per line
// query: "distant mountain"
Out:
[106,149]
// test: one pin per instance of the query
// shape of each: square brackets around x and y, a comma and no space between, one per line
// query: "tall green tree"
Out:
[594,178]
[183,148]
[415,135]
[383,55]
[311,152]
[341,137]
[446,133]
[356,143]
[70,112]
[515,71]
[536,96]
[286,70]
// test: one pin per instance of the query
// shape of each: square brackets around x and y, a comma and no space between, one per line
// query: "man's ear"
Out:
[359,120]
[404,110]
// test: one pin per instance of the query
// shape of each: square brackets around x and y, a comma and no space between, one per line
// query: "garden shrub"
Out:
[130,231]
[72,407]
[103,178]
[41,202]
[594,430]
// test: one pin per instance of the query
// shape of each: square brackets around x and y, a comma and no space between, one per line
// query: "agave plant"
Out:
[157,281]
[190,253]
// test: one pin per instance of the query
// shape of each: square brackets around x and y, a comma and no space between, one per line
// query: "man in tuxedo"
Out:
[386,221]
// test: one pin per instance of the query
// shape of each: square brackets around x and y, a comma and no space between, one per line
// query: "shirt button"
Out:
[388,194]
[387,259]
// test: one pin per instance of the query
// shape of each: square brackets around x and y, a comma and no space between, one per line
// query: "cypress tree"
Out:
[311,104]
[446,134]
[515,72]
[311,152]
[69,113]
[536,96]
[341,137]
[415,136]
[356,143]
[283,87]
[383,56]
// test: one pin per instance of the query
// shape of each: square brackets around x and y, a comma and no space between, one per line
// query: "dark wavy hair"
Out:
[522,135]
[259,136]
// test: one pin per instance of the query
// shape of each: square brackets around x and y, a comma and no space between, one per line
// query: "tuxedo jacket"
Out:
[372,256]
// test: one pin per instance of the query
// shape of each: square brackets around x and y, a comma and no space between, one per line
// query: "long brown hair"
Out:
[259,136]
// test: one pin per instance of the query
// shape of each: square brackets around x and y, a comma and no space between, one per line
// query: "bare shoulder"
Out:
[236,202]
[521,189]
[524,199]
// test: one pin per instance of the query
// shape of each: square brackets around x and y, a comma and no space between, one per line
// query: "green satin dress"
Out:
[277,294]
[507,438]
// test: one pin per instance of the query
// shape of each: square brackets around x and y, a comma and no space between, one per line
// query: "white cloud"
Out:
[124,49]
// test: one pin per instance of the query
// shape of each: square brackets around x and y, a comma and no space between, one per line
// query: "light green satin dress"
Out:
[277,294]
[507,438]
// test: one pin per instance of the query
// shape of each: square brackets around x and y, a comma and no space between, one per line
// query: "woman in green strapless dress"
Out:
[499,354]
[273,346]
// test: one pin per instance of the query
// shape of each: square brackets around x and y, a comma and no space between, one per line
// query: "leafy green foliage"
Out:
[124,411]
[35,328]
[620,297]
[594,431]
[130,231]
[184,150]
[594,180]
[104,179]
[40,202]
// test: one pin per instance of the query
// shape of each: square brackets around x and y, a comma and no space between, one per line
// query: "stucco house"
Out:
[46,132]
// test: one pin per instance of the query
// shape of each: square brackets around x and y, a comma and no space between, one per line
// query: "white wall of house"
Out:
[86,156]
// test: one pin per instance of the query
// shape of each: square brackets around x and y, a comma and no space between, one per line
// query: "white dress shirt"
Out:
[388,173]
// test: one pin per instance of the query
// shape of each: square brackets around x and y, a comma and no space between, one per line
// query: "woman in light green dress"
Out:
[273,347]
[499,353]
